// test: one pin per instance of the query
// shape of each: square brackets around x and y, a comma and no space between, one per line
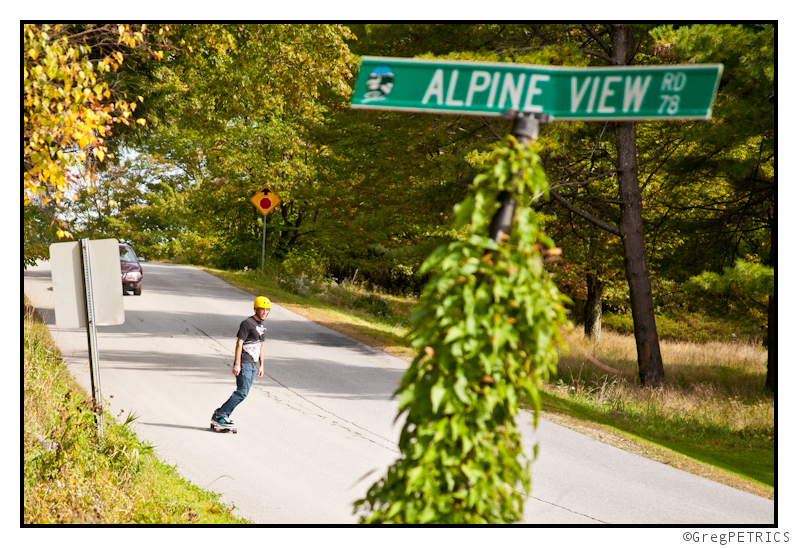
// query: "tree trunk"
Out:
[595,289]
[770,380]
[649,358]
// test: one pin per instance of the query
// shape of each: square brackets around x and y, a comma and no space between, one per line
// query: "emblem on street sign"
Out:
[379,84]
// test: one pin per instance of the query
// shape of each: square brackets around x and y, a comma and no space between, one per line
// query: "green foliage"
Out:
[484,334]
[721,181]
[695,327]
[751,280]
[67,107]
[239,105]
[304,261]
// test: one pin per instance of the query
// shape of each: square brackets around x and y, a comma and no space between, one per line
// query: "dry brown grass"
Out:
[715,383]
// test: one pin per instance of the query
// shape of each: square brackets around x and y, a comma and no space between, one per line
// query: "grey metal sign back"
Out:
[68,290]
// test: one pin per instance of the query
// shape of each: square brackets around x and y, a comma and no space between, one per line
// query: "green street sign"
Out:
[660,92]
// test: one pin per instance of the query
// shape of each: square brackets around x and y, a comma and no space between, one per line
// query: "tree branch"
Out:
[662,163]
[598,39]
[597,54]
[597,177]
[585,215]
[599,203]
[490,127]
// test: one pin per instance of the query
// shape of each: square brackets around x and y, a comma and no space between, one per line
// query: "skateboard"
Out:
[222,428]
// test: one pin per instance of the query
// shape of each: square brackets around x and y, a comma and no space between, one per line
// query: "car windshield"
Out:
[126,254]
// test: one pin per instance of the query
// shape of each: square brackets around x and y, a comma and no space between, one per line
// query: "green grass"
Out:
[749,457]
[72,476]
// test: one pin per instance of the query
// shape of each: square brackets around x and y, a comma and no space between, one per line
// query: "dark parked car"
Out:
[131,270]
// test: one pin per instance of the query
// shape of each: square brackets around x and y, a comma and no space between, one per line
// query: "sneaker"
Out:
[225,421]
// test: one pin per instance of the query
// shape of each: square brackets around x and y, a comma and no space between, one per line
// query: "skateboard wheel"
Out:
[235,431]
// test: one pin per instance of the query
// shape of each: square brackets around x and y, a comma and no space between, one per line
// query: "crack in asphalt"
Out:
[211,338]
[391,447]
[568,510]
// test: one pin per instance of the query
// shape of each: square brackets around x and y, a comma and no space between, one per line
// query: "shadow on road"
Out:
[181,426]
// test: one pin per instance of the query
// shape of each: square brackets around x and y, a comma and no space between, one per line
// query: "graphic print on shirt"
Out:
[252,332]
[253,347]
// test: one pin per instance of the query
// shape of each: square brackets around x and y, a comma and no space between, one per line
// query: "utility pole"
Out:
[526,127]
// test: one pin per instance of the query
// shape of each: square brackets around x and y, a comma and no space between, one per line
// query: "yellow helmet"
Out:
[263,302]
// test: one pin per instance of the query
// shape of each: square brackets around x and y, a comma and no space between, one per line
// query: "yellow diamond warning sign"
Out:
[265,200]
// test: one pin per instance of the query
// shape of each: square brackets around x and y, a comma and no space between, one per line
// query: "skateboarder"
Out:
[249,351]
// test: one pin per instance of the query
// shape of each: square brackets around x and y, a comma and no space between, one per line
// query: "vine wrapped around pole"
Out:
[485,334]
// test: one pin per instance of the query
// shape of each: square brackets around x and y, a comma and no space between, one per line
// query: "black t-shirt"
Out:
[253,333]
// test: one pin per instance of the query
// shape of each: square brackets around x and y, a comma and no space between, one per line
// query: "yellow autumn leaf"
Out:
[99,153]
[141,121]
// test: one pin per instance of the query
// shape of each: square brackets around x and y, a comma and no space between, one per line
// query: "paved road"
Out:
[321,418]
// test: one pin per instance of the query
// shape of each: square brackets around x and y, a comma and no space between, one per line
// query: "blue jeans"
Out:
[243,384]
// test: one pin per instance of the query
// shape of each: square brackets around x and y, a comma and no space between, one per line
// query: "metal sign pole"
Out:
[263,246]
[91,329]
